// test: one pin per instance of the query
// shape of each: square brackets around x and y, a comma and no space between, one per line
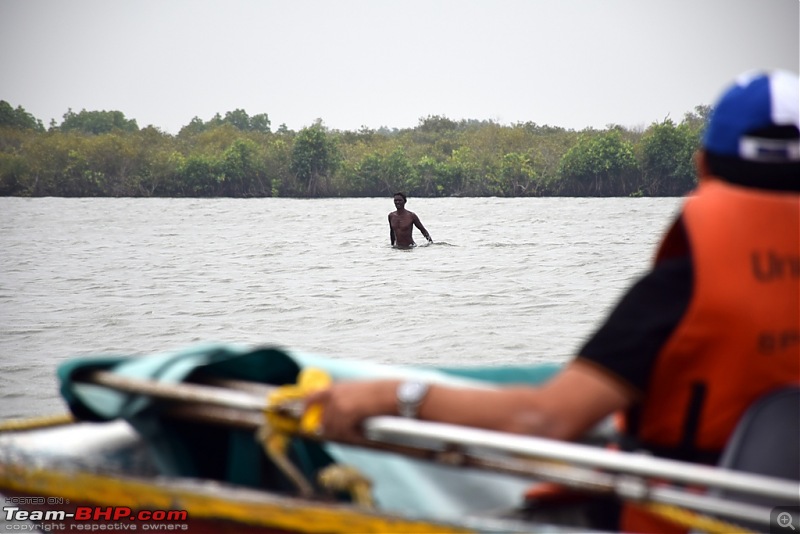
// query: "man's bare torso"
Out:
[403,225]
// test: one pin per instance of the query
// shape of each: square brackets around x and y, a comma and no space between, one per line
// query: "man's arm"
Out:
[566,407]
[391,230]
[422,229]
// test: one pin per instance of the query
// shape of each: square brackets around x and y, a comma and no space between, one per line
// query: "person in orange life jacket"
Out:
[708,330]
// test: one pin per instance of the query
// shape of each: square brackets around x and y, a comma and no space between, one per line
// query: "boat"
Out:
[189,440]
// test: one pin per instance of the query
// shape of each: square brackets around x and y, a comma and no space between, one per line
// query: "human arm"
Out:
[391,230]
[564,408]
[422,229]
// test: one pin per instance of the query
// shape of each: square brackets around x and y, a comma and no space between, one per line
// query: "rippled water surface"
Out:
[507,280]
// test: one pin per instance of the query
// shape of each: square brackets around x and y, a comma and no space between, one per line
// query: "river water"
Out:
[507,281]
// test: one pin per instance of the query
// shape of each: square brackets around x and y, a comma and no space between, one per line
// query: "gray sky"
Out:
[353,63]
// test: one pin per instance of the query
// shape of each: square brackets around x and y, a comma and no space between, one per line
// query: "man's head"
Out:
[753,136]
[399,199]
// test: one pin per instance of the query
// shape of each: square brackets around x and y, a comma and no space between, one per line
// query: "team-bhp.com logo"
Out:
[92,518]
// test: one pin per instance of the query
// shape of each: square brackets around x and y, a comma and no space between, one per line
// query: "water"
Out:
[508,281]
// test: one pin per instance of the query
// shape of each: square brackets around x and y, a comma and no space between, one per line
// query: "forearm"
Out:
[422,229]
[515,410]
[565,407]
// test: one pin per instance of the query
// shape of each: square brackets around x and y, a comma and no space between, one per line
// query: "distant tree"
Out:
[18,118]
[436,124]
[13,173]
[429,175]
[237,118]
[461,173]
[201,176]
[667,154]
[697,119]
[378,175]
[195,126]
[516,174]
[242,171]
[157,163]
[241,120]
[97,122]
[600,164]
[110,163]
[53,166]
[277,163]
[314,158]
[260,123]
[399,172]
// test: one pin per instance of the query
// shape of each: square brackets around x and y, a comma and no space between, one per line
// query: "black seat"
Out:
[767,442]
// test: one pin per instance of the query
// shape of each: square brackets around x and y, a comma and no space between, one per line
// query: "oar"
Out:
[243,403]
[232,396]
[222,401]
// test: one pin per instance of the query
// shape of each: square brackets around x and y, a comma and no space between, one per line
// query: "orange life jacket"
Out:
[740,335]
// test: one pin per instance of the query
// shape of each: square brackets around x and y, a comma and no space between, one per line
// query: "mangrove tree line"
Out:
[102,153]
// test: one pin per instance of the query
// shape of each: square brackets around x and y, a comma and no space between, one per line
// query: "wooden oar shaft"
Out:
[181,392]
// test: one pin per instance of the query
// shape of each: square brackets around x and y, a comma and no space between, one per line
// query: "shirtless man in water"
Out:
[402,222]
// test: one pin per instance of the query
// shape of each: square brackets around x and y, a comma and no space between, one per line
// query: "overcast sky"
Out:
[373,63]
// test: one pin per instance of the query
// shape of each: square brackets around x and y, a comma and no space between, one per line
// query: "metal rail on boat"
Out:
[622,473]
[442,435]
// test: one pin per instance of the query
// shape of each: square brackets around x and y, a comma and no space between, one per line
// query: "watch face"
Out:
[411,392]
[409,397]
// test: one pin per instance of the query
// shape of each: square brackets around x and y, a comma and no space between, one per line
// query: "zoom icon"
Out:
[785,519]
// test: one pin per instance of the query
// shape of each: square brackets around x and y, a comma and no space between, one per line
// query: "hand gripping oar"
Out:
[591,469]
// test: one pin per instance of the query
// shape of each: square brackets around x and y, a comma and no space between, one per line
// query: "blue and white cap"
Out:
[757,100]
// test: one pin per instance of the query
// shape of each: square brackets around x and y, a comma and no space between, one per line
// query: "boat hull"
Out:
[98,473]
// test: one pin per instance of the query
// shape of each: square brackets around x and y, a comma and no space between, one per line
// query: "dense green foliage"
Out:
[101,153]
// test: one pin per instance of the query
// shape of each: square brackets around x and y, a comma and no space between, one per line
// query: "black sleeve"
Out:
[629,341]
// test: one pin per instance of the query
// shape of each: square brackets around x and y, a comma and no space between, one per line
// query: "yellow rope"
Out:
[32,423]
[275,445]
[310,379]
[693,520]
[336,477]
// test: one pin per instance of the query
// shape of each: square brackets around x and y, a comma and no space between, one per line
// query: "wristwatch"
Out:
[410,395]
